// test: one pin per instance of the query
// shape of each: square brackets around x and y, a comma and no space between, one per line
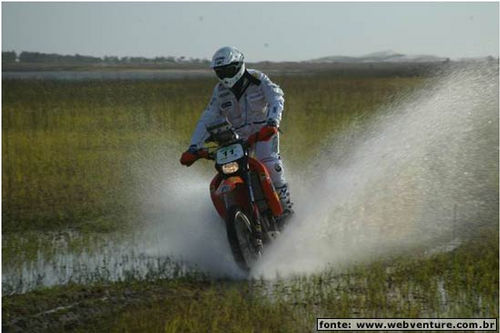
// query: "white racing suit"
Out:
[261,102]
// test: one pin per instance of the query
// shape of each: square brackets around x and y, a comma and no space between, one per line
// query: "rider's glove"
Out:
[190,156]
[264,134]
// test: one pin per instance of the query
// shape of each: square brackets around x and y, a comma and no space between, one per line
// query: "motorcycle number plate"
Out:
[230,153]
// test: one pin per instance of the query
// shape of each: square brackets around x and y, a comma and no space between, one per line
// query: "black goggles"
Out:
[227,71]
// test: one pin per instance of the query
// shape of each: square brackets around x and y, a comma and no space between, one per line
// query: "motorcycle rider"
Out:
[251,103]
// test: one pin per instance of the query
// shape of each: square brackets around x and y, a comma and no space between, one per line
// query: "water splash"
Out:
[425,169]
[181,220]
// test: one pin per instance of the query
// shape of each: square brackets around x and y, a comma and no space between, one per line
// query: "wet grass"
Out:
[462,283]
[40,260]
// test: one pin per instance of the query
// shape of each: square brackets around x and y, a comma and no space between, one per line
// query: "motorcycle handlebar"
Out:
[264,134]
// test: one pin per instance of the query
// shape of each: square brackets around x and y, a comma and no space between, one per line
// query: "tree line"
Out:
[54,58]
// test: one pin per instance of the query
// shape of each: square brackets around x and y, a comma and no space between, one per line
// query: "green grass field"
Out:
[70,156]
[68,147]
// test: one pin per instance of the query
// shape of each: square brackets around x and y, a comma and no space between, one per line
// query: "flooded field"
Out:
[395,184]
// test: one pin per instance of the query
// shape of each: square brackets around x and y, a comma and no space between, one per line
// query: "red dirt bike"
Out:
[242,193]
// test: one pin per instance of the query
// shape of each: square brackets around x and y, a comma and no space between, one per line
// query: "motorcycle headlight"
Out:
[229,168]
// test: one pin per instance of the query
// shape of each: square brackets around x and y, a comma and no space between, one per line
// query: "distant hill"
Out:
[383,56]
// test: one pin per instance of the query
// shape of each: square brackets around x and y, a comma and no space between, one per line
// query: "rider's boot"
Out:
[286,203]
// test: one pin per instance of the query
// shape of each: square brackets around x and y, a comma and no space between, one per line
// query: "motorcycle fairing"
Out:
[267,186]
[224,191]
[228,185]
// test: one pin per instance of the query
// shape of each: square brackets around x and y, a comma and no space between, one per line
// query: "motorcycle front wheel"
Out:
[240,236]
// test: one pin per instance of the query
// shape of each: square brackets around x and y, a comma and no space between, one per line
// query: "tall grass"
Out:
[68,146]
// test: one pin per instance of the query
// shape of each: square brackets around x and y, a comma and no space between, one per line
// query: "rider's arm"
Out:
[274,96]
[210,115]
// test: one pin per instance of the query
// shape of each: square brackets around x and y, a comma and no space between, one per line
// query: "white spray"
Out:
[426,168]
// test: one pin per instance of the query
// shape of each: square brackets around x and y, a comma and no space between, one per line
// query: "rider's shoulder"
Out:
[255,76]
[256,73]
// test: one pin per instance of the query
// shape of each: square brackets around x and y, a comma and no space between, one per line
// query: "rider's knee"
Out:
[275,168]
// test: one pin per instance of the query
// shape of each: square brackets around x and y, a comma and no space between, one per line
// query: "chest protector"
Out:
[248,112]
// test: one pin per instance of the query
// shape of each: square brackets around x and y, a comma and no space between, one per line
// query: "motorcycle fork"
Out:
[255,209]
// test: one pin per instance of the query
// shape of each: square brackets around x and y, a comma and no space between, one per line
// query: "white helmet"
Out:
[228,65]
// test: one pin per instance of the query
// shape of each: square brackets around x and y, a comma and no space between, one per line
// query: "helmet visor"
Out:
[228,71]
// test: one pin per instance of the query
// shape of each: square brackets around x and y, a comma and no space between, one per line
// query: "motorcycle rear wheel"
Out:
[240,237]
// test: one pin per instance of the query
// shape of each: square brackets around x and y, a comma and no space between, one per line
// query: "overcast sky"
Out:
[263,31]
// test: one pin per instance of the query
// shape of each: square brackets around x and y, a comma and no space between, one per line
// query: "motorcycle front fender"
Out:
[230,192]
[228,185]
